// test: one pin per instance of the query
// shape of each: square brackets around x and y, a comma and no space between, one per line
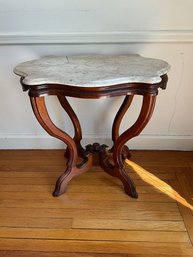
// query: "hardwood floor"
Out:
[95,218]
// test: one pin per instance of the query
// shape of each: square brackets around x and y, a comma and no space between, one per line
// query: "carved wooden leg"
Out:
[117,122]
[144,116]
[40,111]
[76,124]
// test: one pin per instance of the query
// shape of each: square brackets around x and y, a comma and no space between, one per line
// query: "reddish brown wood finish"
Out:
[76,124]
[119,116]
[96,92]
[111,160]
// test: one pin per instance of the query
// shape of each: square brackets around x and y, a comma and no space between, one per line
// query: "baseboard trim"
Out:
[142,142]
[113,37]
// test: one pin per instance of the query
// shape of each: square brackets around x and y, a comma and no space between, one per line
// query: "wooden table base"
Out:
[111,160]
[94,77]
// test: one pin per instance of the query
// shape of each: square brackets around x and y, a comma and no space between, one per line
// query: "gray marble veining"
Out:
[92,70]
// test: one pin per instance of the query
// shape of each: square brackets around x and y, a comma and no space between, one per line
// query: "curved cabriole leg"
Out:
[117,122]
[119,170]
[119,116]
[105,154]
[76,124]
[40,111]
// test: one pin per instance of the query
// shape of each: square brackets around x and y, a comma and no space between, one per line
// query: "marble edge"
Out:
[30,81]
[148,80]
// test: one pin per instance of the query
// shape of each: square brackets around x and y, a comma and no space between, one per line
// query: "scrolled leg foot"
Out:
[58,191]
[131,191]
[128,183]
[70,173]
[63,180]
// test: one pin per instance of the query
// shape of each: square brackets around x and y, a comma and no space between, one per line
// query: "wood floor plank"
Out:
[56,171]
[75,188]
[100,181]
[62,254]
[165,157]
[97,246]
[25,169]
[163,169]
[36,222]
[74,254]
[26,188]
[108,196]
[186,184]
[160,163]
[128,224]
[189,175]
[64,201]
[90,213]
[33,161]
[95,234]
[31,153]
[28,181]
[191,164]
[30,174]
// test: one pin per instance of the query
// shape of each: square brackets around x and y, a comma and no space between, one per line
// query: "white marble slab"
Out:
[92,70]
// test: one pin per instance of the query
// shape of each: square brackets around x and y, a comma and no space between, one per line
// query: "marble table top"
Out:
[92,70]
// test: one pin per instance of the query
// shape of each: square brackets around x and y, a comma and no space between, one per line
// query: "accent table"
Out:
[94,77]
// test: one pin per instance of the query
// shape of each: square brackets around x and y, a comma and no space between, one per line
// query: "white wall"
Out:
[31,29]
